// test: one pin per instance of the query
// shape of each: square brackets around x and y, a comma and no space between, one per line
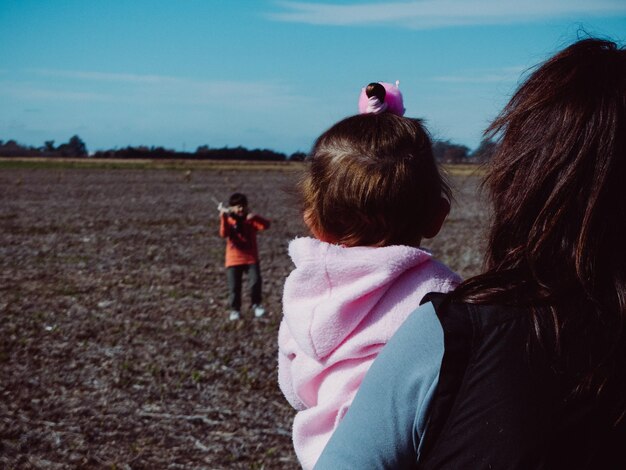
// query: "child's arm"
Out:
[258,222]
[286,354]
[224,225]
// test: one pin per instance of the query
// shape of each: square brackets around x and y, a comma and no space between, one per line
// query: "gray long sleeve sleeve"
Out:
[384,425]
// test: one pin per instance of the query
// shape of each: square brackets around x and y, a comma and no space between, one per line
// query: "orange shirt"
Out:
[241,247]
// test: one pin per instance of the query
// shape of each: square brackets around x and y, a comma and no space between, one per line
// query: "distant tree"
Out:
[11,148]
[75,147]
[297,157]
[485,151]
[48,146]
[447,152]
[237,153]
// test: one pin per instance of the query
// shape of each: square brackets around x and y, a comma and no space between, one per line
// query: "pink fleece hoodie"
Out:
[341,305]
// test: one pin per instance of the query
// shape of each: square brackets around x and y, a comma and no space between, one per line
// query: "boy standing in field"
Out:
[239,227]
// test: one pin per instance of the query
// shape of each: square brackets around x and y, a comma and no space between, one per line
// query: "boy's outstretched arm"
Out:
[259,223]
[224,225]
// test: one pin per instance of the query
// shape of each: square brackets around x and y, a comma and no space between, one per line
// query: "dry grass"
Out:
[116,350]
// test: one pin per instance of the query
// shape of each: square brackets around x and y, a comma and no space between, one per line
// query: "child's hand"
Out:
[224,210]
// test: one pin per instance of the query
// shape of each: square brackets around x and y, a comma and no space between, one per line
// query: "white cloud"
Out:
[24,92]
[506,74]
[106,77]
[424,14]
[488,78]
[135,88]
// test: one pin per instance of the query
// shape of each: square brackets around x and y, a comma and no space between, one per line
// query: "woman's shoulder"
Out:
[450,309]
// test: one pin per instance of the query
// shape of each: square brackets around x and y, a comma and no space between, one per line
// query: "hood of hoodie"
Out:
[334,288]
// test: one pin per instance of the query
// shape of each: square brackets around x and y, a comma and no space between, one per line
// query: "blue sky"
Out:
[268,74]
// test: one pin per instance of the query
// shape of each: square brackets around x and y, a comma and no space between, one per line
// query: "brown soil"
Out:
[116,350]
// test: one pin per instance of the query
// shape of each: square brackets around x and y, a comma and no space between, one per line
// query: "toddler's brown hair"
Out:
[372,180]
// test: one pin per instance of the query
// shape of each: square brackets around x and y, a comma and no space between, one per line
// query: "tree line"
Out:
[444,152]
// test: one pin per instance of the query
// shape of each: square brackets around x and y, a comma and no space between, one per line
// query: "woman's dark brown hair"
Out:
[372,180]
[558,237]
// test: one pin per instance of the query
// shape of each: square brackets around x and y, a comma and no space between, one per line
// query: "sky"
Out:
[269,74]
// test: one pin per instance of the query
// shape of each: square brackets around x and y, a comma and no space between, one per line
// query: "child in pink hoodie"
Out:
[371,193]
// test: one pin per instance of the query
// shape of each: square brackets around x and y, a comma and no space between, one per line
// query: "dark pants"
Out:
[234,275]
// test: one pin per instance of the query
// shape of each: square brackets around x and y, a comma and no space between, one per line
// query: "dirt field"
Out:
[116,351]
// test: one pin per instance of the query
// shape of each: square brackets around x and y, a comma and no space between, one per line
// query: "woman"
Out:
[524,366]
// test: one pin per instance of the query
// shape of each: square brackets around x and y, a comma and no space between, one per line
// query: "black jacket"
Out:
[502,404]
